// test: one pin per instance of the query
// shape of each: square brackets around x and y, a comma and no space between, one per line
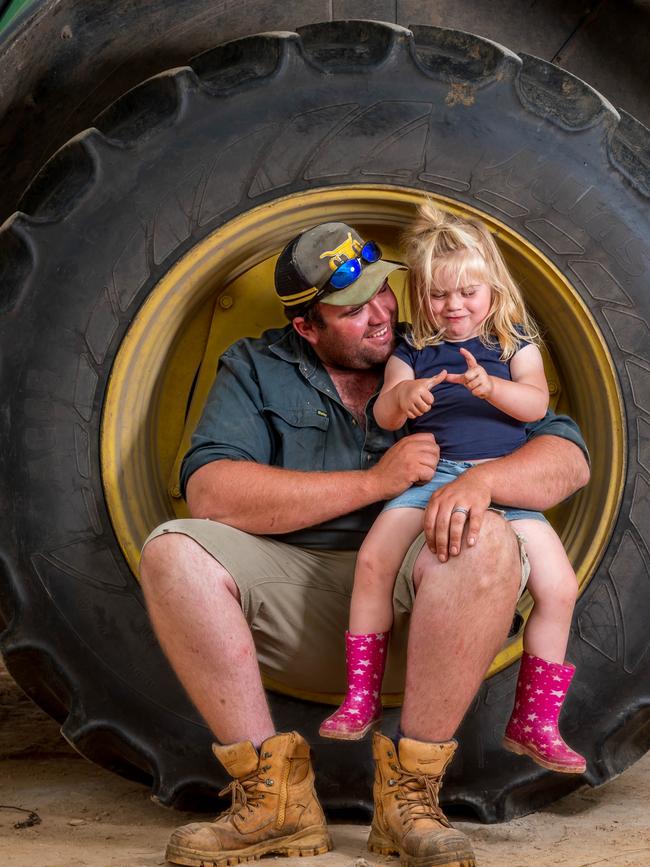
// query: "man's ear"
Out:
[306,328]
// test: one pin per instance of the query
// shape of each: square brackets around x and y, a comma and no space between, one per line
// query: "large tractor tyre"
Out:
[146,244]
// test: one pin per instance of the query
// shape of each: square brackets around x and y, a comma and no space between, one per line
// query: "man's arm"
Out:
[542,473]
[265,500]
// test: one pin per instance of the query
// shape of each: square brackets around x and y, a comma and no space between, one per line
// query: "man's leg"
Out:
[461,616]
[195,610]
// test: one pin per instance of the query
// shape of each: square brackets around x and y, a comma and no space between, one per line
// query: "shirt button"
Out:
[354,422]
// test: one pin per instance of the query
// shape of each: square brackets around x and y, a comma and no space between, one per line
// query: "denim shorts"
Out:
[418,496]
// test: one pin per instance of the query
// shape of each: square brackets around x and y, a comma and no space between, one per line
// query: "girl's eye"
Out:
[467,292]
[437,294]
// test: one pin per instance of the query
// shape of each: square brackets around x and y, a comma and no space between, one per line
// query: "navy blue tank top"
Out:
[465,427]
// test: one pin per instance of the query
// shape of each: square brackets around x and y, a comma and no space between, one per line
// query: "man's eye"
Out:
[355,311]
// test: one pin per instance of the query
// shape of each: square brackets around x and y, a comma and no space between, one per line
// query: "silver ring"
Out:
[460,509]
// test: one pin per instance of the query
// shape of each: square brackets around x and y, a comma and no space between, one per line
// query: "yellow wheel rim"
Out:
[223,290]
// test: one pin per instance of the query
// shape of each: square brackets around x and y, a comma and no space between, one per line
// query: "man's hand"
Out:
[443,527]
[476,378]
[411,460]
[414,396]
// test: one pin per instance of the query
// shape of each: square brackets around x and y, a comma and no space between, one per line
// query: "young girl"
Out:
[473,342]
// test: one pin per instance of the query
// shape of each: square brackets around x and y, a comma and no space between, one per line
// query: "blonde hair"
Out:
[440,242]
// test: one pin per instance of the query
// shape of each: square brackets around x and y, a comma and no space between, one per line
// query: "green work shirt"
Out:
[273,403]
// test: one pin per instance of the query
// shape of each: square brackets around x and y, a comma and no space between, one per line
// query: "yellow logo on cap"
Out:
[349,249]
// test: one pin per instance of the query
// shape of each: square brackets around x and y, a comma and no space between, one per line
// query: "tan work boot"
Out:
[408,820]
[274,808]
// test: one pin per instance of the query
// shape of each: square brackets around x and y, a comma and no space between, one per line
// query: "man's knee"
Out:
[492,562]
[162,551]
[496,555]
[176,558]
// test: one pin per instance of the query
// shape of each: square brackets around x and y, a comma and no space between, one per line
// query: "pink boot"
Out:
[532,729]
[366,658]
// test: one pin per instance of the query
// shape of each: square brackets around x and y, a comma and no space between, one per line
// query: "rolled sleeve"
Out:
[232,426]
[558,426]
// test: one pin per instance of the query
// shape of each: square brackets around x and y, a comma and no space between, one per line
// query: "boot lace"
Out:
[418,797]
[245,793]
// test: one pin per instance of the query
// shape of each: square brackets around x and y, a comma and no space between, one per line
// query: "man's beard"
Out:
[338,353]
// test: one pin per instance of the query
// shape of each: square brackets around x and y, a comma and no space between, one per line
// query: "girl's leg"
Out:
[371,617]
[553,586]
[544,679]
[378,562]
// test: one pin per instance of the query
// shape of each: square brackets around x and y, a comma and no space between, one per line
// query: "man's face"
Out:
[356,338]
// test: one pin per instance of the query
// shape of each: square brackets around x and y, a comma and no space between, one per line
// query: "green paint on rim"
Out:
[14,9]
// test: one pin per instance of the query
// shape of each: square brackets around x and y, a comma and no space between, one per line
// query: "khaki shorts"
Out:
[296,602]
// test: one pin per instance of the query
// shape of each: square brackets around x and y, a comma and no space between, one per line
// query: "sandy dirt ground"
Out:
[91,818]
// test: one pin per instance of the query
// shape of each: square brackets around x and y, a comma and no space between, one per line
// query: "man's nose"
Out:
[379,307]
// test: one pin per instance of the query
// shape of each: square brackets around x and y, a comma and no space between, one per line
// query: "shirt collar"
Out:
[291,347]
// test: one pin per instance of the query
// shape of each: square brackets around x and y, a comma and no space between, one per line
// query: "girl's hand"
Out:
[414,397]
[476,378]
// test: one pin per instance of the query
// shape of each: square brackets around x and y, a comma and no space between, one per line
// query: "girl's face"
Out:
[459,306]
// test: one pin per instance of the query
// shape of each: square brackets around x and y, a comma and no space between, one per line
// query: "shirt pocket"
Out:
[300,437]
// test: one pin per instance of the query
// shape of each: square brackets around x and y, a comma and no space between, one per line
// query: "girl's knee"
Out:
[567,592]
[558,592]
[370,570]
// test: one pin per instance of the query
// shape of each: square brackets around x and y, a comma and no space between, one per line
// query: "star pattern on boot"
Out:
[543,686]
[361,707]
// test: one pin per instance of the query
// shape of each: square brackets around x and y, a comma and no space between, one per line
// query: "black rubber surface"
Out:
[63,61]
[342,103]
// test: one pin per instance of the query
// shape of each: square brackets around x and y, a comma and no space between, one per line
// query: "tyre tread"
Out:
[351,45]
[147,109]
[241,63]
[629,151]
[562,98]
[458,56]
[64,180]
[17,260]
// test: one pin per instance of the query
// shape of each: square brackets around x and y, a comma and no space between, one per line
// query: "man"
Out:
[286,472]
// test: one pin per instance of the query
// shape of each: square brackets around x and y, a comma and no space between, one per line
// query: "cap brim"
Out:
[364,287]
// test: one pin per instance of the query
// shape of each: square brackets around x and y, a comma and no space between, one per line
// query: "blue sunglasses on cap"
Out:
[350,271]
